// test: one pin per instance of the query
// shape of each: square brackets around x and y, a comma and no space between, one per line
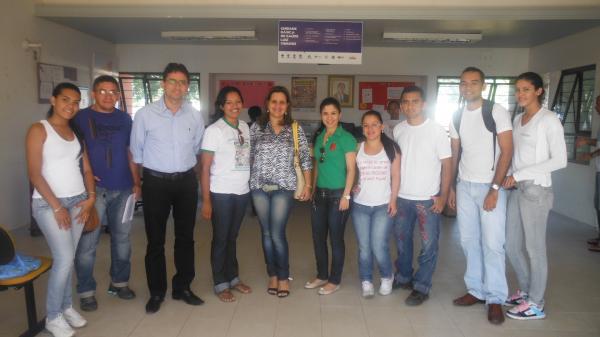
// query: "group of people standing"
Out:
[387,185]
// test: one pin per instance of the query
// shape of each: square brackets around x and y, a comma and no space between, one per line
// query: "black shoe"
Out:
[124,293]
[400,285]
[416,298]
[154,304]
[88,303]
[35,231]
[187,296]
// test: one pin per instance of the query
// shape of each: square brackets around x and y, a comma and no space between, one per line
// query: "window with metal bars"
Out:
[574,105]
[500,89]
[140,89]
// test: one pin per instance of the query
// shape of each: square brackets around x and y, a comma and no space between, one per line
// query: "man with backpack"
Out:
[482,149]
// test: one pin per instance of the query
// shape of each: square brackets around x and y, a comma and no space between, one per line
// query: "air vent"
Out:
[439,38]
[194,35]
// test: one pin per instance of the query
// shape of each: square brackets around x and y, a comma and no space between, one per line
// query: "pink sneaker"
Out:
[526,311]
[517,298]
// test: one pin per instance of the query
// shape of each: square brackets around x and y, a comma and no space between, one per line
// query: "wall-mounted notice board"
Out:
[376,95]
[50,75]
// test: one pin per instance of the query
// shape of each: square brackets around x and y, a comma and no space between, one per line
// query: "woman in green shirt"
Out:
[335,157]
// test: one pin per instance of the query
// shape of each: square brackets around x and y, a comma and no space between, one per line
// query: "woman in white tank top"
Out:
[374,207]
[60,204]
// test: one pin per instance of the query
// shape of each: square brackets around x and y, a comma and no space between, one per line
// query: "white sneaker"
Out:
[368,290]
[386,286]
[58,327]
[74,318]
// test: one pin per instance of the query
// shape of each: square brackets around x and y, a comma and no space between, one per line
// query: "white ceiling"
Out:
[499,27]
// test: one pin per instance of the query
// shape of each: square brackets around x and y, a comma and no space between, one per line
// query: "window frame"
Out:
[146,78]
[576,89]
[491,94]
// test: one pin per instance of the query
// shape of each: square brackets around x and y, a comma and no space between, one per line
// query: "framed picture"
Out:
[342,88]
[304,92]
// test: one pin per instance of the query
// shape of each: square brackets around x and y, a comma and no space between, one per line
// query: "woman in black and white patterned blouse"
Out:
[273,182]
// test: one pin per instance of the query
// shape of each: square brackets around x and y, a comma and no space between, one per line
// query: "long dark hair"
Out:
[263,119]
[390,146]
[58,89]
[536,80]
[327,101]
[220,101]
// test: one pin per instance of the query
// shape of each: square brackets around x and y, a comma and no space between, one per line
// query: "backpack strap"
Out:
[490,124]
[456,117]
[488,119]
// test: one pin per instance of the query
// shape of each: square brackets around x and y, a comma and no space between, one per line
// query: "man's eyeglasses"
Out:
[173,81]
[240,137]
[322,150]
[105,92]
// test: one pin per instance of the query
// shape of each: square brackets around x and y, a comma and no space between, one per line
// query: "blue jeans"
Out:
[110,205]
[63,244]
[482,237]
[228,211]
[372,226]
[409,213]
[273,210]
[327,219]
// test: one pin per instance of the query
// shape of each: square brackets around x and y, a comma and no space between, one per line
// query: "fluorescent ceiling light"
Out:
[432,37]
[210,35]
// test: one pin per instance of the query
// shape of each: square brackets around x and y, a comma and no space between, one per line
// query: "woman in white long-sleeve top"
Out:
[539,149]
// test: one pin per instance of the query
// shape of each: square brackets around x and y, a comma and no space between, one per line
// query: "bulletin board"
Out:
[49,75]
[253,92]
[376,95]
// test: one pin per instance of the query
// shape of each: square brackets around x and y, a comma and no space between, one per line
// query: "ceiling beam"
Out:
[318,13]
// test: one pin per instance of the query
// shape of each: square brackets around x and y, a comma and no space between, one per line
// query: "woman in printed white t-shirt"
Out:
[539,149]
[374,207]
[225,191]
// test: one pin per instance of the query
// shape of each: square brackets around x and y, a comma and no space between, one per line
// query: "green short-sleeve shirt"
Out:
[332,171]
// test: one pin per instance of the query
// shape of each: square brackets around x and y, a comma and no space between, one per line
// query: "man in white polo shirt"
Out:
[482,148]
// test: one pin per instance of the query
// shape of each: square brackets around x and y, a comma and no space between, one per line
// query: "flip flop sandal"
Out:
[272,291]
[242,288]
[226,296]
[283,293]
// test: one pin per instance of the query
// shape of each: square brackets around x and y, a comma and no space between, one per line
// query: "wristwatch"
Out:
[495,187]
[347,197]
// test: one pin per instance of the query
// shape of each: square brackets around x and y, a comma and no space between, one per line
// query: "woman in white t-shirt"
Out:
[374,207]
[225,174]
[56,159]
[539,149]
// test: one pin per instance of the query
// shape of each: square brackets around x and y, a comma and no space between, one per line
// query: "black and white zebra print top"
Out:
[272,156]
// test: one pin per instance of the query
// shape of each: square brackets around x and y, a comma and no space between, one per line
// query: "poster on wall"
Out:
[377,95]
[49,75]
[320,42]
[342,88]
[253,92]
[304,92]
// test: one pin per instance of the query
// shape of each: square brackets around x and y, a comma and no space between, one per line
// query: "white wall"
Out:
[349,114]
[573,186]
[18,93]
[428,62]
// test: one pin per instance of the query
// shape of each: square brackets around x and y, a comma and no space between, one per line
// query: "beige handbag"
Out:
[299,175]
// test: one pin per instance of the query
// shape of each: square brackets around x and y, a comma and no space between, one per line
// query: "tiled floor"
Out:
[573,296]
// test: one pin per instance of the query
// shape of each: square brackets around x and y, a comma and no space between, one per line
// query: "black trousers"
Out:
[327,219]
[160,196]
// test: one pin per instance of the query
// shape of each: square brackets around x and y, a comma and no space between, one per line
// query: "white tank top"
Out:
[60,165]
[374,178]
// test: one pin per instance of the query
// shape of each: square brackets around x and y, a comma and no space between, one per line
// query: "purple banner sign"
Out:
[323,42]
